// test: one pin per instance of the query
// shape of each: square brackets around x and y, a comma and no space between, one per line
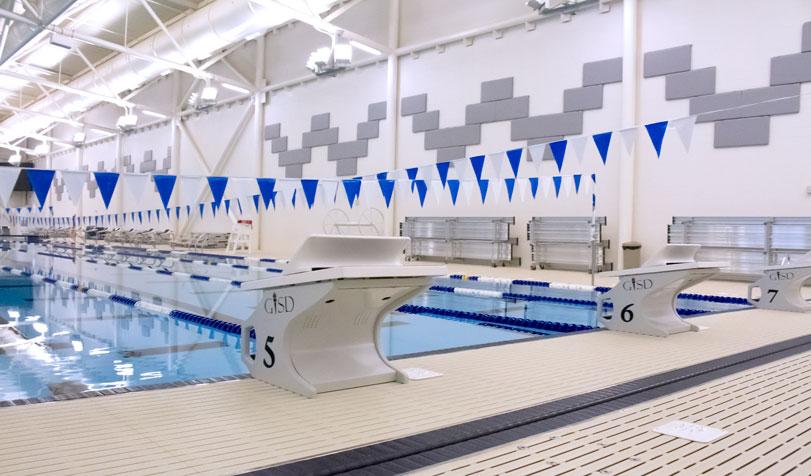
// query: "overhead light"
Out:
[207,97]
[127,122]
[366,48]
[18,8]
[235,88]
[154,114]
[42,149]
[15,159]
[327,61]
[62,41]
[79,138]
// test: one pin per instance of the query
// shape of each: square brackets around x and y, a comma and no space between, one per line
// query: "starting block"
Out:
[781,286]
[317,324]
[644,299]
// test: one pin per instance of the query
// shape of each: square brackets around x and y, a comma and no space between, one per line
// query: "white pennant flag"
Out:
[74,182]
[329,192]
[463,169]
[135,184]
[629,138]
[439,192]
[8,177]
[568,183]
[190,190]
[495,192]
[494,165]
[546,186]
[468,187]
[428,173]
[521,185]
[242,187]
[536,152]
[684,127]
[404,188]
[578,144]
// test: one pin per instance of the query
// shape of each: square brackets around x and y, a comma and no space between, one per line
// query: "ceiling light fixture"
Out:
[127,122]
[15,159]
[328,61]
[207,97]
[79,138]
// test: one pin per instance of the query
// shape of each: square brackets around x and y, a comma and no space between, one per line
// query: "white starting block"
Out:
[781,286]
[317,324]
[644,299]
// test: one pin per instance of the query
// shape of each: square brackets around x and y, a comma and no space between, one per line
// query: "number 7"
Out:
[773,293]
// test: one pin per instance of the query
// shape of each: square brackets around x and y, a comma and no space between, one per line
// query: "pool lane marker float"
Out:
[586,288]
[527,325]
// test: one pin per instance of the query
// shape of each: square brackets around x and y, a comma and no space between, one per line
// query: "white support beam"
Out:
[79,92]
[329,18]
[171,38]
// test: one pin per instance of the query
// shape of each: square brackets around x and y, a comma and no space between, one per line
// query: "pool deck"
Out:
[243,425]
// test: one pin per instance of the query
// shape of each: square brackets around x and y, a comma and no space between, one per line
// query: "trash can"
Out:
[631,254]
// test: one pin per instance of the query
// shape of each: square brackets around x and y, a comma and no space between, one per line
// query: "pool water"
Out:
[56,341]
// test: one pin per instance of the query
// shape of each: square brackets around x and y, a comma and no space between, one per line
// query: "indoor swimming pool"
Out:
[57,342]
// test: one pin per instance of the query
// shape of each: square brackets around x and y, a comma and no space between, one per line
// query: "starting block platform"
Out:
[781,286]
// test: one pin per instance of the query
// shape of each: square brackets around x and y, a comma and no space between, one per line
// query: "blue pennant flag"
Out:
[214,208]
[510,184]
[514,157]
[453,187]
[386,188]
[483,188]
[188,210]
[558,149]
[177,213]
[577,178]
[309,186]
[266,186]
[442,170]
[149,215]
[557,179]
[106,182]
[293,200]
[158,214]
[256,202]
[593,178]
[202,207]
[40,181]
[422,190]
[602,141]
[217,186]
[132,217]
[533,186]
[239,206]
[412,173]
[227,205]
[140,217]
[656,131]
[477,162]
[352,189]
[165,185]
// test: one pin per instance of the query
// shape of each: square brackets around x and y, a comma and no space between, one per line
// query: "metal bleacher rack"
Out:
[748,243]
[570,243]
[484,239]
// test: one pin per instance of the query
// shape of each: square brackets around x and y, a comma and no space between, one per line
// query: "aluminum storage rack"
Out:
[477,239]
[570,243]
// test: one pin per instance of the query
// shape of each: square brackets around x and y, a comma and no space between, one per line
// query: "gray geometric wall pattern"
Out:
[741,118]
[344,154]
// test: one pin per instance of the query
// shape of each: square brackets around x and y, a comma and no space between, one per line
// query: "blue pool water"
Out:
[57,341]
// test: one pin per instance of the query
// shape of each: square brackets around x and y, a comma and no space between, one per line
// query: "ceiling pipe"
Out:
[204,31]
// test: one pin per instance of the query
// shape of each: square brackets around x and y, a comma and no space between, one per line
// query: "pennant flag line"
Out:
[656,132]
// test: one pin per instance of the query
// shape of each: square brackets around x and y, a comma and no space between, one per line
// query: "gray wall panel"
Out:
[294,171]
[747,103]
[667,61]
[377,111]
[567,123]
[318,138]
[319,122]
[497,89]
[602,72]
[583,99]
[450,153]
[147,166]
[453,136]
[273,131]
[369,130]
[293,157]
[414,104]
[806,36]
[425,121]
[742,132]
[348,150]
[346,167]
[496,111]
[278,145]
[698,82]
[789,69]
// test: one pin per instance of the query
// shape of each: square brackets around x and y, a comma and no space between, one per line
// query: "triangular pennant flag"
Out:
[8,178]
[329,190]
[496,191]
[266,186]
[256,202]
[602,141]
[386,189]
[107,182]
[567,185]
[684,127]
[309,186]
[412,173]
[227,202]
[463,169]
[494,163]
[628,138]
[509,183]
[40,181]
[442,170]
[483,189]
[477,163]
[557,180]
[202,207]
[165,185]
[656,132]
[558,149]
[177,213]
[190,189]
[217,186]
[436,191]
[135,185]
[579,146]
[352,189]
[453,188]
[514,158]
[214,208]
[576,179]
[533,186]
[522,189]
[188,210]
[74,182]
[422,190]
[157,214]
